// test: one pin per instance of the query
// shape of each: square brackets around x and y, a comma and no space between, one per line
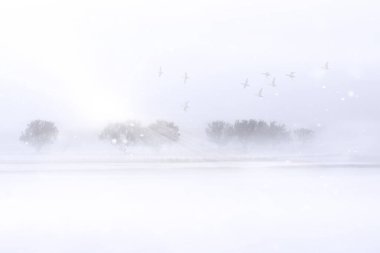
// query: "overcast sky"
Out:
[90,62]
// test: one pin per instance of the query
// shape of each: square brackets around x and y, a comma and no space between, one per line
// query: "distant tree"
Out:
[303,134]
[244,129]
[219,131]
[39,133]
[162,132]
[278,132]
[247,131]
[262,132]
[123,134]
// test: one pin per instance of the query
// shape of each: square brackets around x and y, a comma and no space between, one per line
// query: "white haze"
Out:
[83,64]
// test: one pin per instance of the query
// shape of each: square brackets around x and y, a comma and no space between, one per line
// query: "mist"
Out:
[86,64]
[199,126]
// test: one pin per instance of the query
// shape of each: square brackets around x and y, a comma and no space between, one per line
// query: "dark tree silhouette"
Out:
[39,133]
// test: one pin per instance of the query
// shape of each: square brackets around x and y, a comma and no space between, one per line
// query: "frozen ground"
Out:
[104,207]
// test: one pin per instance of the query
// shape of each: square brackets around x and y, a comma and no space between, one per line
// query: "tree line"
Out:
[123,135]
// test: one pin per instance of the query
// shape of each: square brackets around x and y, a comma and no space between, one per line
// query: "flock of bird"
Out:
[245,84]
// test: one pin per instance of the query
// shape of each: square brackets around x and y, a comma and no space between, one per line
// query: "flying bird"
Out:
[266,74]
[186,77]
[245,84]
[186,106]
[160,72]
[260,94]
[326,66]
[274,82]
[291,75]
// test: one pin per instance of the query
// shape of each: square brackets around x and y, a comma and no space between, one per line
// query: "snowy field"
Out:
[71,207]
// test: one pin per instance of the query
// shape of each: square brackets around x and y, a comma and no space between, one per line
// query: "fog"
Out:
[147,126]
[84,64]
[95,61]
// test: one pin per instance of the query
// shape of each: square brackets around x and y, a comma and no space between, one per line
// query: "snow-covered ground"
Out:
[236,206]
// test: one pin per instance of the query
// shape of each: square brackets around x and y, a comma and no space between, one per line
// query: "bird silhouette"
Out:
[245,84]
[186,106]
[274,82]
[326,66]
[291,75]
[260,93]
[160,72]
[186,77]
[266,74]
